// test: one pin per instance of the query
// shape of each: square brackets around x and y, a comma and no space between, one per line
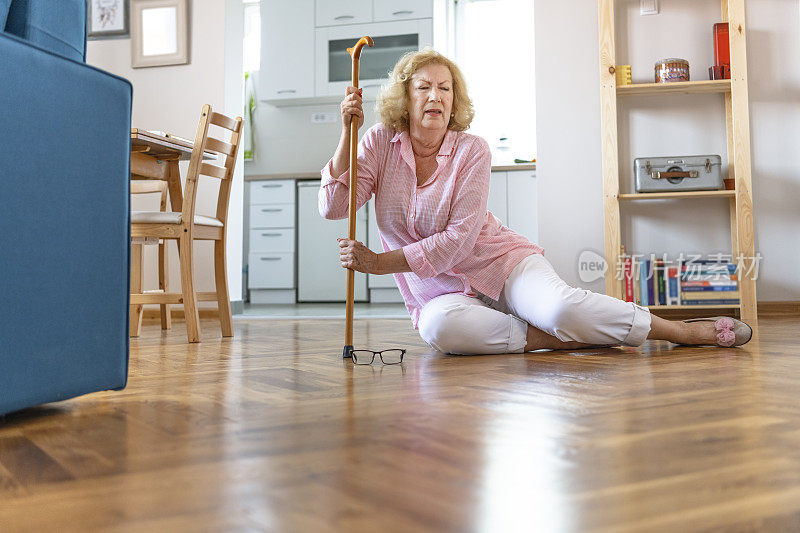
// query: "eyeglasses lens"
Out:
[392,357]
[362,357]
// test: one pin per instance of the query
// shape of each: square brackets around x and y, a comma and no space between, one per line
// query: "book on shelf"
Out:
[673,295]
[656,289]
[718,301]
[710,283]
[722,271]
[710,277]
[710,288]
[661,282]
[662,288]
[628,273]
[643,282]
[711,295]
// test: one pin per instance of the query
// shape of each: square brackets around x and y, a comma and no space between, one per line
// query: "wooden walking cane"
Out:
[355,54]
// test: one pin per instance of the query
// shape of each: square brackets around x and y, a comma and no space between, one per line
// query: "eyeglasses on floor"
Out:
[387,357]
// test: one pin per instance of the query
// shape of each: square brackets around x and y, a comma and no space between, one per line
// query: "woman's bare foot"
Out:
[539,340]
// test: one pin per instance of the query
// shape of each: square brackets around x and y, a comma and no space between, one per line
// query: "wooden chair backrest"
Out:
[151,186]
[227,149]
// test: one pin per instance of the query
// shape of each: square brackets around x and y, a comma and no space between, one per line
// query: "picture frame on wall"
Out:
[159,33]
[107,19]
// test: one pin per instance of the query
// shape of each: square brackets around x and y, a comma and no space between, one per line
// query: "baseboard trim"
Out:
[779,308]
[771,309]
[774,309]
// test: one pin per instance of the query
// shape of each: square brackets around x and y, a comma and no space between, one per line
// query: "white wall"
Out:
[287,142]
[170,99]
[568,133]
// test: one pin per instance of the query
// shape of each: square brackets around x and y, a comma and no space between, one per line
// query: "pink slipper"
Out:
[730,331]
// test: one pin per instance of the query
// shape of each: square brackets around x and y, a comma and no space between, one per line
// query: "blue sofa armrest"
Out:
[64,227]
[58,26]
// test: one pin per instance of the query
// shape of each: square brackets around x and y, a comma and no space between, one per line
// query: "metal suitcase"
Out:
[680,173]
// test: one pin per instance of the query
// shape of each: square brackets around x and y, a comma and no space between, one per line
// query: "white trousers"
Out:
[533,294]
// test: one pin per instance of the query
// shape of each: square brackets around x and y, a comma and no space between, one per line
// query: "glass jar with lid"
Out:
[671,70]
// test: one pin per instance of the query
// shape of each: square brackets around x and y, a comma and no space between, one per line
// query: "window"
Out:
[252,35]
[494,48]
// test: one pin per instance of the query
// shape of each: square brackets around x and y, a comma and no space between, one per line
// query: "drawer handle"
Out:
[271,186]
[271,234]
[402,12]
[287,91]
[344,17]
[272,210]
[270,258]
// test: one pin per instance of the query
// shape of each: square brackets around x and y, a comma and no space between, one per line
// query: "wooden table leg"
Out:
[174,181]
[136,288]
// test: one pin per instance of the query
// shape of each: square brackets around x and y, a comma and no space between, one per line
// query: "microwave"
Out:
[391,39]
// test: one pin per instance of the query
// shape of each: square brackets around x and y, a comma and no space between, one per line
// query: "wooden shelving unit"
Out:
[664,307]
[681,87]
[677,194]
[734,91]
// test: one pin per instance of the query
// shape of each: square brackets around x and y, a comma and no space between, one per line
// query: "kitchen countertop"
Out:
[315,175]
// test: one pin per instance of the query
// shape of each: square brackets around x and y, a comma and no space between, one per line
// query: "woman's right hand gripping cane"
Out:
[351,106]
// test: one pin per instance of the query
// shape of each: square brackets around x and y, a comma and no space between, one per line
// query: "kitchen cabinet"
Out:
[513,200]
[498,196]
[320,276]
[271,241]
[304,43]
[338,12]
[382,288]
[523,203]
[287,50]
[292,251]
[387,10]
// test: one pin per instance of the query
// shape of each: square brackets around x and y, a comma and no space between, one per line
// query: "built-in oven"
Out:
[392,40]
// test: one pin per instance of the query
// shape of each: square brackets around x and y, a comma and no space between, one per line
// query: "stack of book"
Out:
[700,282]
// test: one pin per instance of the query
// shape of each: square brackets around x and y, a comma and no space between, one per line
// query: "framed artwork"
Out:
[106,19]
[159,33]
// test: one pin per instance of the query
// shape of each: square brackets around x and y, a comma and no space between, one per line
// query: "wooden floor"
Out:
[273,431]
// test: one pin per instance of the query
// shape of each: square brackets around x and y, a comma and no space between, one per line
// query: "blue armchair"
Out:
[64,209]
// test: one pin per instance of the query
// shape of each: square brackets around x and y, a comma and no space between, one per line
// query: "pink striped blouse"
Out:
[450,240]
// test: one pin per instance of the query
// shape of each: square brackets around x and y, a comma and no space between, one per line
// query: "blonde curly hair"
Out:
[392,103]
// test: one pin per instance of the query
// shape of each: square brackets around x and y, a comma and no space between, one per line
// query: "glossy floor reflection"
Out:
[273,431]
[324,310]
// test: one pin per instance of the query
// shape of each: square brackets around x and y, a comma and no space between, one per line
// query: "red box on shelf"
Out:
[722,47]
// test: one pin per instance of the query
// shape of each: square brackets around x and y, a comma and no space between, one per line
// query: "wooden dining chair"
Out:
[137,260]
[186,226]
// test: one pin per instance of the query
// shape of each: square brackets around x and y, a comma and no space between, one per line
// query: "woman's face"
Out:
[430,98]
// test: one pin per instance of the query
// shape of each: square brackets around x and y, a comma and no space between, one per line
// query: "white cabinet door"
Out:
[272,240]
[320,276]
[498,197]
[272,216]
[272,192]
[384,281]
[385,10]
[522,203]
[270,270]
[287,49]
[336,12]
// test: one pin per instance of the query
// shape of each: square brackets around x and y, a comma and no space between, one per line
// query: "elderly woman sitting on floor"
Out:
[471,285]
